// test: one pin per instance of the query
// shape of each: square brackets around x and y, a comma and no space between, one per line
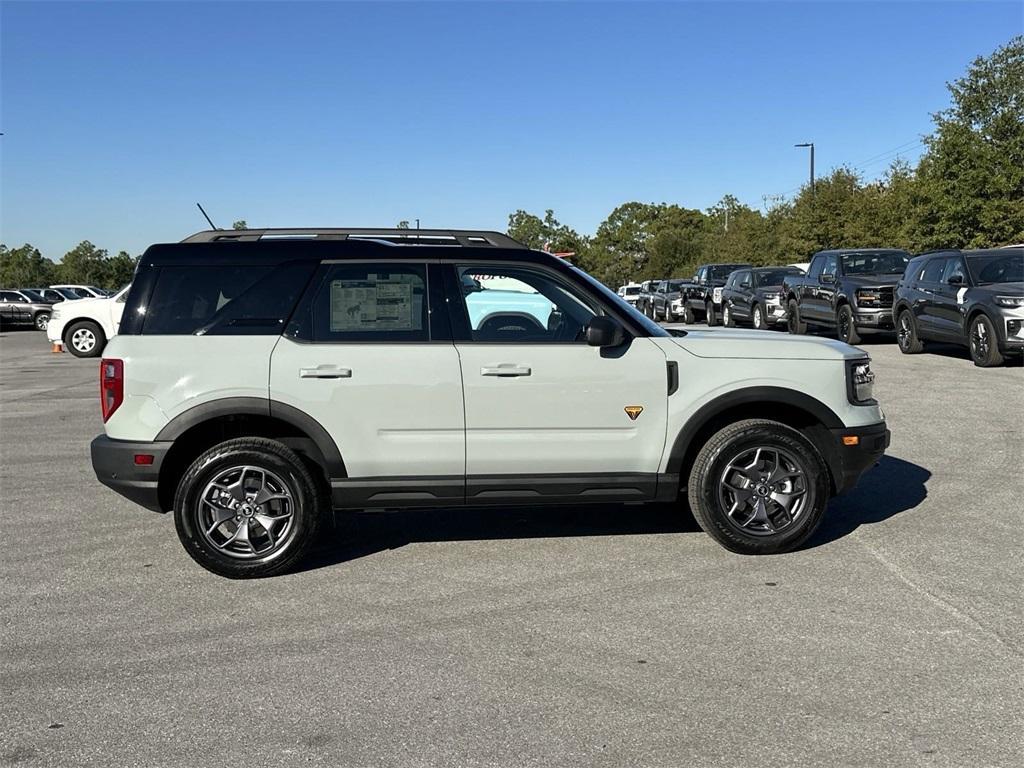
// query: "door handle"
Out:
[505,369]
[325,372]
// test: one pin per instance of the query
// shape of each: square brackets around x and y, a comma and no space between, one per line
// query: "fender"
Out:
[760,395]
[258,406]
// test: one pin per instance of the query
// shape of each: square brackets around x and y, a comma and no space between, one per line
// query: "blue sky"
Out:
[118,117]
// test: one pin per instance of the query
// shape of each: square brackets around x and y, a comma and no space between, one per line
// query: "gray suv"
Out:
[24,308]
[972,298]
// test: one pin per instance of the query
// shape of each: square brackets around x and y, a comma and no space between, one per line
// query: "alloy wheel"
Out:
[42,321]
[758,318]
[903,332]
[980,341]
[246,512]
[83,340]
[763,490]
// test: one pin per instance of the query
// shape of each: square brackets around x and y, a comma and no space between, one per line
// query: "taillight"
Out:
[111,386]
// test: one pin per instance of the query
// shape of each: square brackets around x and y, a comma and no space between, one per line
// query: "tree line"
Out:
[966,191]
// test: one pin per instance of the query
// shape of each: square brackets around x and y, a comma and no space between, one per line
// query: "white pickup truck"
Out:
[83,327]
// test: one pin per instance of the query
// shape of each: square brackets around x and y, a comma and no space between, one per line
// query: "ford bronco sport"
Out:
[261,378]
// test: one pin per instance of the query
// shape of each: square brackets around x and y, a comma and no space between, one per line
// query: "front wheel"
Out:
[757,317]
[906,334]
[758,487]
[727,319]
[84,339]
[709,315]
[688,316]
[984,348]
[845,327]
[247,508]
[793,322]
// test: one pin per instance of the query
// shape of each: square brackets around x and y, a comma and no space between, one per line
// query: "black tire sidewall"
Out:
[712,459]
[994,357]
[101,339]
[232,453]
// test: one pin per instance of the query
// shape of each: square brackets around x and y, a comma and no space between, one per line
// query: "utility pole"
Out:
[811,145]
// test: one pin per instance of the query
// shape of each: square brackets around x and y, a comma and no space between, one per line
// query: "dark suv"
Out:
[665,292]
[973,298]
[755,296]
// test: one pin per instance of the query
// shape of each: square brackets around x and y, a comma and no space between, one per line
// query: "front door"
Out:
[364,359]
[547,414]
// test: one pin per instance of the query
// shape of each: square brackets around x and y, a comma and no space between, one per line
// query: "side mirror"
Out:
[955,280]
[604,332]
[828,278]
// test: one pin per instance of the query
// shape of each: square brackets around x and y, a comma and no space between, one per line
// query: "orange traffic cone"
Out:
[56,347]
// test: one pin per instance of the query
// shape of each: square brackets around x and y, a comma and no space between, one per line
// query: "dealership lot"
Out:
[615,636]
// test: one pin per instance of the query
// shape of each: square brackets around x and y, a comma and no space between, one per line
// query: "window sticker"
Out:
[367,305]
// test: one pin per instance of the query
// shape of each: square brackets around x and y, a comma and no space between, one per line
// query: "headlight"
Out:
[868,297]
[773,297]
[860,381]
[1010,301]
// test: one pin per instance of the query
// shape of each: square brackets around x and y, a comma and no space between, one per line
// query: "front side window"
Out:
[828,266]
[522,304]
[932,272]
[954,268]
[744,279]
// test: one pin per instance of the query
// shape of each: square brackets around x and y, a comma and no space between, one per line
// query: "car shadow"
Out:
[356,535]
[893,486]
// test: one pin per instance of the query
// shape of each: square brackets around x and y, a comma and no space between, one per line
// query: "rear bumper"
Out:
[849,462]
[113,461]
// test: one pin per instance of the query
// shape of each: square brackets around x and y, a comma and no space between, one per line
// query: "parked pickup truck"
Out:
[848,290]
[703,297]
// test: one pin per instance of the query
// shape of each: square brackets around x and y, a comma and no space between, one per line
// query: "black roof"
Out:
[396,236]
[976,251]
[840,251]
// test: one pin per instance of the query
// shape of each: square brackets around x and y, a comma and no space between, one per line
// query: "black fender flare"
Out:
[258,406]
[761,395]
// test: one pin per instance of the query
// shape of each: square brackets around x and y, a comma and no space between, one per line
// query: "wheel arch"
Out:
[205,425]
[788,406]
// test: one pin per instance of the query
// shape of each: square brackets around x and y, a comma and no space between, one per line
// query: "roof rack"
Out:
[454,237]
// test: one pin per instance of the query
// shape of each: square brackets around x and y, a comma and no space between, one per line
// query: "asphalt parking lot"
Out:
[618,636]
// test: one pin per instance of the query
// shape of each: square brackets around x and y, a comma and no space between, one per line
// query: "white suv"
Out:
[261,378]
[84,326]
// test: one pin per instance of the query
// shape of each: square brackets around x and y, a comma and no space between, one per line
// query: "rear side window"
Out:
[367,302]
[226,299]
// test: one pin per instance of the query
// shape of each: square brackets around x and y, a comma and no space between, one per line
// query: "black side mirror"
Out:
[955,280]
[604,332]
[828,278]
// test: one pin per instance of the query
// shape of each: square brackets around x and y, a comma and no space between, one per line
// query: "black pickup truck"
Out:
[702,298]
[850,290]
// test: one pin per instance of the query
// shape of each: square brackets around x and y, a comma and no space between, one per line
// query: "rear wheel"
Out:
[758,487]
[793,322]
[906,334]
[247,508]
[757,317]
[84,339]
[727,318]
[41,320]
[846,329]
[983,342]
[709,315]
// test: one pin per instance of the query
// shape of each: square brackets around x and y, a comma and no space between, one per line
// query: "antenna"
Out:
[212,225]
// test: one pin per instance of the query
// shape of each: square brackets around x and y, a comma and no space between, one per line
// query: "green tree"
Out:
[25,267]
[240,224]
[84,264]
[973,171]
[547,234]
[120,270]
[403,224]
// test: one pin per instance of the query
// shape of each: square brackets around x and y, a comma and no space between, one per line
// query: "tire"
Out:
[84,339]
[709,315]
[274,540]
[41,320]
[670,316]
[983,342]
[688,316]
[906,334]
[846,329]
[793,322]
[729,473]
[757,318]
[727,319]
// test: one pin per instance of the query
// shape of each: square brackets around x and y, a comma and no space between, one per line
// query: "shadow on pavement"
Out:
[892,487]
[358,535]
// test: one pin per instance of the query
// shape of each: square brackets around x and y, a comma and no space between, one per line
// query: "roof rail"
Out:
[454,237]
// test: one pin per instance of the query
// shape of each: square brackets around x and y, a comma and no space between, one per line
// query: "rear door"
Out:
[547,414]
[929,287]
[369,356]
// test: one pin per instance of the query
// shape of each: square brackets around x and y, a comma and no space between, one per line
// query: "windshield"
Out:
[67,294]
[632,290]
[33,295]
[997,267]
[722,271]
[773,277]
[878,262]
[675,285]
[621,304]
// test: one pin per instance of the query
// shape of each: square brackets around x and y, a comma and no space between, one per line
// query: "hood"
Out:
[769,288]
[764,345]
[998,289]
[80,304]
[875,281]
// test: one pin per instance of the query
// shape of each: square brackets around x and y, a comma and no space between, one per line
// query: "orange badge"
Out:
[633,411]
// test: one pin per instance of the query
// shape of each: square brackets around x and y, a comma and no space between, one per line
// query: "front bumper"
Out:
[866,318]
[849,462]
[1010,330]
[113,461]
